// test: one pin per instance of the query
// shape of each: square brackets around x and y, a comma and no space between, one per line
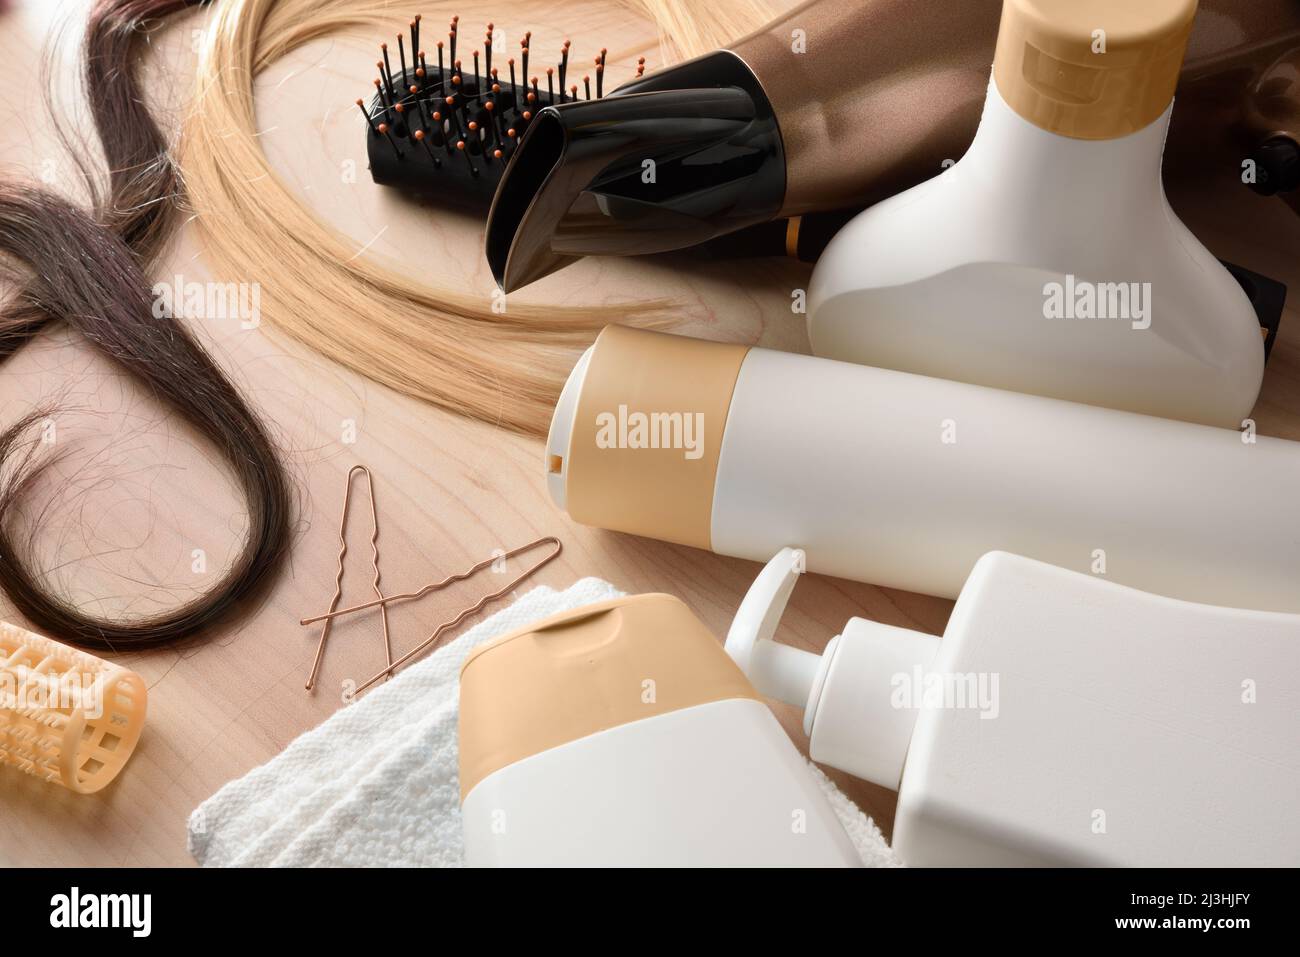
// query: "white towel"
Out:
[375,785]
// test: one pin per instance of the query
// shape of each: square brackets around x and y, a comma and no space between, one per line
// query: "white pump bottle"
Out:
[1048,260]
[1061,720]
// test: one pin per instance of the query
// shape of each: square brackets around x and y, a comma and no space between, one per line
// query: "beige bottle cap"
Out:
[1091,69]
[637,434]
[584,671]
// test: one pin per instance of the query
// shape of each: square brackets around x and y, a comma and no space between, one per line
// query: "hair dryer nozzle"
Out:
[665,162]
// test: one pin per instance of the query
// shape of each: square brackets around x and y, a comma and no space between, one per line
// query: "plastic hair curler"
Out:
[65,715]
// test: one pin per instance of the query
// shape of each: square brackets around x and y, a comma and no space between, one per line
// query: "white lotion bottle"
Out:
[620,734]
[1048,260]
[905,481]
[1061,720]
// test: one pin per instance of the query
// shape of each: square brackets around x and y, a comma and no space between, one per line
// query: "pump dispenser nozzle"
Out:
[778,671]
[850,712]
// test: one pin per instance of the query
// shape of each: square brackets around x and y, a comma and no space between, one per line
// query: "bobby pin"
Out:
[338,575]
[435,586]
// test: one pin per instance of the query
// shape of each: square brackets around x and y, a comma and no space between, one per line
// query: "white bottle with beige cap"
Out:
[620,734]
[1048,260]
[905,481]
[1061,720]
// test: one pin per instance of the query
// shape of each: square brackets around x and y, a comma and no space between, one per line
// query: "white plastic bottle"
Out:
[1061,720]
[620,734]
[1048,260]
[905,481]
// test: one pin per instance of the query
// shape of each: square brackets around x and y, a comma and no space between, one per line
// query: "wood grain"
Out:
[139,496]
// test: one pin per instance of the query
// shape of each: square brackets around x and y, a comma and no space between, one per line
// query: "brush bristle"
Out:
[469,121]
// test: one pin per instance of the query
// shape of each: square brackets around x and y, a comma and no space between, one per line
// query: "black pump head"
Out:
[1277,166]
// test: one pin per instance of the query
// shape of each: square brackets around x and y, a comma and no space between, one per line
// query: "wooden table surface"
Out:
[138,495]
